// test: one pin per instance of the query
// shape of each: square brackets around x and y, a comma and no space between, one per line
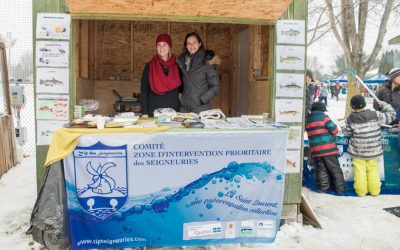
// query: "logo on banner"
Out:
[101,178]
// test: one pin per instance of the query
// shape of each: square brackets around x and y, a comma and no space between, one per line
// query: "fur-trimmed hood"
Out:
[211,58]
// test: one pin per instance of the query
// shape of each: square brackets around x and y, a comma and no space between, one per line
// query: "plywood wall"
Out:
[111,50]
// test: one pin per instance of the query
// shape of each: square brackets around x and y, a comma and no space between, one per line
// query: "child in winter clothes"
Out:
[365,144]
[321,133]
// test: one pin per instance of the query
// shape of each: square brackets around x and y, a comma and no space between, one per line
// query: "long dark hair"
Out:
[198,38]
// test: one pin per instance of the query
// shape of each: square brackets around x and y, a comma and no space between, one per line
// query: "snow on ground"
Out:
[348,222]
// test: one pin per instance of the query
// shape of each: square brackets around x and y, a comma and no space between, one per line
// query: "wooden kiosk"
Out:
[112,40]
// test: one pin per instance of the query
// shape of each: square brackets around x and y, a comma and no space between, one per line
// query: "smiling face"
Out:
[163,50]
[192,44]
[396,81]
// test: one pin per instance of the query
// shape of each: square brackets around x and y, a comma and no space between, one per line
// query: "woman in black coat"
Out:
[160,79]
[199,74]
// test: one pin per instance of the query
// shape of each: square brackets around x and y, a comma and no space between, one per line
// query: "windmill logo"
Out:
[102,183]
[101,178]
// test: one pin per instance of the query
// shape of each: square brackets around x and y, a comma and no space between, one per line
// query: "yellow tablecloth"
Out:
[65,139]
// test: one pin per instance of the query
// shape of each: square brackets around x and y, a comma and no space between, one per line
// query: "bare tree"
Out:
[350,31]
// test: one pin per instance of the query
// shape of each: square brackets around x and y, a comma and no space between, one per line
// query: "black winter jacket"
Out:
[392,97]
[200,81]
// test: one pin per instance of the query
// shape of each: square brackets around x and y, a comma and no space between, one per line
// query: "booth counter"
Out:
[116,188]
[389,165]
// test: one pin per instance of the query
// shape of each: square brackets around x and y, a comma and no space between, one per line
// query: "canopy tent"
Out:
[378,78]
[342,78]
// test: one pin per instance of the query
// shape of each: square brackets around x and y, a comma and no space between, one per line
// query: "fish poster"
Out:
[290,32]
[53,26]
[290,57]
[157,190]
[295,137]
[293,159]
[289,110]
[52,107]
[289,85]
[52,80]
[52,54]
[45,130]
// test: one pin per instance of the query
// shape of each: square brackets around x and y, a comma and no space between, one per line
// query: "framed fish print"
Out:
[290,57]
[288,110]
[45,130]
[290,32]
[52,107]
[52,54]
[52,80]
[295,137]
[292,161]
[53,26]
[289,85]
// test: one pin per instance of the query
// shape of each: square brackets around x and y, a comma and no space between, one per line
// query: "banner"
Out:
[175,188]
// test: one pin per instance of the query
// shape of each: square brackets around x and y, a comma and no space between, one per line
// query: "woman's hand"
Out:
[145,116]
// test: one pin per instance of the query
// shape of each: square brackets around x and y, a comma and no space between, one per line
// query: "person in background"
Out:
[160,79]
[309,92]
[321,133]
[390,93]
[362,126]
[200,77]
[332,89]
[338,87]
[324,95]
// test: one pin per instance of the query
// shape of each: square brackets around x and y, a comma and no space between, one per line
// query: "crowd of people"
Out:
[362,127]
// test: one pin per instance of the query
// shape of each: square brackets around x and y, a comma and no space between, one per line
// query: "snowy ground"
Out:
[348,222]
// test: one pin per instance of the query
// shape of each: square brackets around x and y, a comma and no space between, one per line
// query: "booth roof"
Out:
[222,11]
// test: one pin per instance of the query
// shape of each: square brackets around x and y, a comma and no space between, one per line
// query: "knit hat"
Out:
[318,106]
[393,73]
[357,102]
[164,38]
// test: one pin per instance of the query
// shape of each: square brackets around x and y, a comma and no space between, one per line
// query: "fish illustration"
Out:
[44,49]
[290,32]
[289,112]
[291,85]
[45,109]
[61,51]
[290,59]
[45,61]
[50,82]
[292,138]
[47,133]
[290,164]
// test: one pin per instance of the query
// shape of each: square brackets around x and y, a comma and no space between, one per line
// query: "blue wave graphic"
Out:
[245,190]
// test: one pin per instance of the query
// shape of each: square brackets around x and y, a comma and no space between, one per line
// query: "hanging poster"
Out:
[295,135]
[288,110]
[52,107]
[53,26]
[45,130]
[289,85]
[52,80]
[290,32]
[292,161]
[52,54]
[290,57]
[156,189]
